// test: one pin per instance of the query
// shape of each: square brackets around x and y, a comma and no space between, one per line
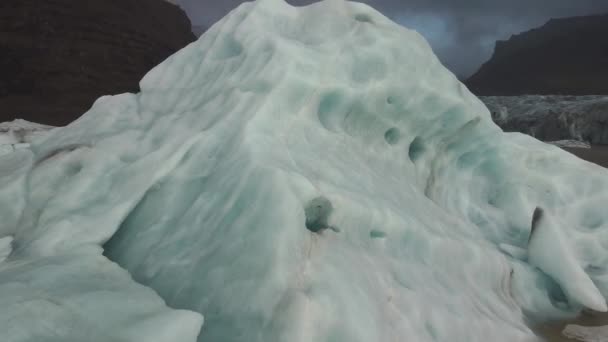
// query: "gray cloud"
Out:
[462,32]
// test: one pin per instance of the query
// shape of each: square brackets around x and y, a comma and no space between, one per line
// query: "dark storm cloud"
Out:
[462,32]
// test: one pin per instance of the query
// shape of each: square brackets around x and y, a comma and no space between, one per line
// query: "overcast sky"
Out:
[462,32]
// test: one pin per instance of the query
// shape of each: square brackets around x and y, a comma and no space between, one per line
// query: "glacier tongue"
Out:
[298,174]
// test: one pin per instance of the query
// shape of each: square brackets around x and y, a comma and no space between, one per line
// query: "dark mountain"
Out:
[58,56]
[564,56]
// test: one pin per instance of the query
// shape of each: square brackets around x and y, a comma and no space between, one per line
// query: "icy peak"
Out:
[216,184]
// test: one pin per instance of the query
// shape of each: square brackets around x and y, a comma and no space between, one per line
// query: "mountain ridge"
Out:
[565,56]
[59,56]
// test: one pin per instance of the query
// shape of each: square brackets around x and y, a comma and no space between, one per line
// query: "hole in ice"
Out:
[156,141]
[536,218]
[128,158]
[392,136]
[492,201]
[416,149]
[317,213]
[592,222]
[377,234]
[431,330]
[328,108]
[556,294]
[595,270]
[592,218]
[74,168]
[229,48]
[364,18]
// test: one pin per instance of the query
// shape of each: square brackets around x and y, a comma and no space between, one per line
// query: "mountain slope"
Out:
[564,56]
[58,56]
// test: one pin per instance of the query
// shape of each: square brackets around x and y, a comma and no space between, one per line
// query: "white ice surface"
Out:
[84,297]
[75,294]
[198,187]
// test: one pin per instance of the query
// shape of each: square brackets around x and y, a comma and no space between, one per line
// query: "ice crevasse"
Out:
[297,174]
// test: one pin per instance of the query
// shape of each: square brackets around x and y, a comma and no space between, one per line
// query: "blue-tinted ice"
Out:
[199,187]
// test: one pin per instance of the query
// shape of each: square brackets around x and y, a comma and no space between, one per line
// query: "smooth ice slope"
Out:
[202,184]
[83,297]
[71,294]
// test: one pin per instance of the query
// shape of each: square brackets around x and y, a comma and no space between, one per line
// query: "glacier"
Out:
[297,174]
[553,117]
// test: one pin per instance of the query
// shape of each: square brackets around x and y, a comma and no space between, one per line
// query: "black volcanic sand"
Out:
[597,154]
[553,331]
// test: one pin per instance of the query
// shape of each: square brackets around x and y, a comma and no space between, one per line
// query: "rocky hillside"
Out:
[565,56]
[58,56]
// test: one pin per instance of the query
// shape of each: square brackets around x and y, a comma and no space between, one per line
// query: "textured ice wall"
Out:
[422,208]
[75,297]
[70,293]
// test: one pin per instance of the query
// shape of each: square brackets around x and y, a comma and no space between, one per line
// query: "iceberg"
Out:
[297,174]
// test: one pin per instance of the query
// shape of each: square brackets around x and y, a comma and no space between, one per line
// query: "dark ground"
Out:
[597,154]
[553,331]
